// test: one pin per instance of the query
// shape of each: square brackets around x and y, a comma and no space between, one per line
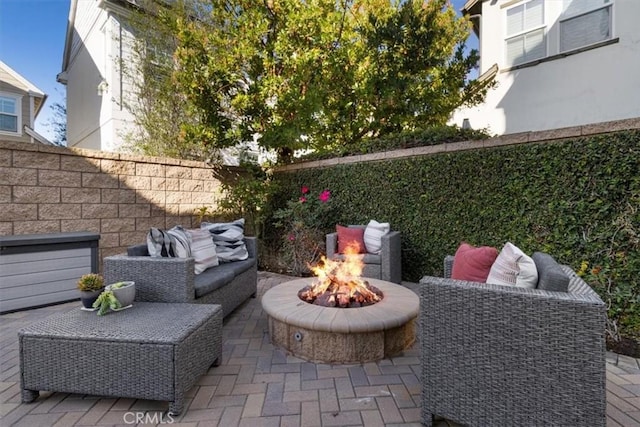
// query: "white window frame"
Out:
[566,17]
[524,32]
[18,101]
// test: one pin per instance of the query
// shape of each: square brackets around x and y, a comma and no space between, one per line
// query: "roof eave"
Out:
[68,38]
[472,7]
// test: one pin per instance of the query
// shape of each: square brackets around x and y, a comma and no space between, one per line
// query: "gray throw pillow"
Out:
[550,275]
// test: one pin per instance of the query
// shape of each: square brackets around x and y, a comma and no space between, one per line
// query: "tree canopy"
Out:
[294,74]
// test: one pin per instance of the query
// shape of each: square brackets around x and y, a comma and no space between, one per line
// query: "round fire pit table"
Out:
[341,335]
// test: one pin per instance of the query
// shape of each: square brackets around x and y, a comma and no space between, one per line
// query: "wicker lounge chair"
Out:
[506,356]
[387,265]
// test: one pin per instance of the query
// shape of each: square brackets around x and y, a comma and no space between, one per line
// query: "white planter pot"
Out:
[125,294]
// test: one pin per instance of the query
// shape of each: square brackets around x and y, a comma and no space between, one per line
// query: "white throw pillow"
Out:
[513,268]
[373,235]
[203,250]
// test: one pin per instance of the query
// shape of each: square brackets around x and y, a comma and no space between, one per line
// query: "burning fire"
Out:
[339,283]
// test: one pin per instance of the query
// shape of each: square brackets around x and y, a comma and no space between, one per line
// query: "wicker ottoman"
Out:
[150,351]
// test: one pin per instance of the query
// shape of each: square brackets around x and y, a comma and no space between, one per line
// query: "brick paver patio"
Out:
[259,385]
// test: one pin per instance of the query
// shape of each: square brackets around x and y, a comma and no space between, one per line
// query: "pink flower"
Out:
[325,196]
[303,199]
[304,189]
[292,237]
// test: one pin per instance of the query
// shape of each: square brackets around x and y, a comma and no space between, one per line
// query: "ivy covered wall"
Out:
[577,199]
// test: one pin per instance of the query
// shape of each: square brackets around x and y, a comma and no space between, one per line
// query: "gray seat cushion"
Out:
[240,267]
[215,277]
[550,275]
[366,258]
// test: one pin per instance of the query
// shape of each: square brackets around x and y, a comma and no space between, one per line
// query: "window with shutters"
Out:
[585,22]
[10,109]
[525,33]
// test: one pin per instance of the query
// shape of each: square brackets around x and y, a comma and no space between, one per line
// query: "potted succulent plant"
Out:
[90,286]
[116,296]
[105,301]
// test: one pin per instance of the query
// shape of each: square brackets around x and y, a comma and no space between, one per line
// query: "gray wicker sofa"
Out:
[497,355]
[160,279]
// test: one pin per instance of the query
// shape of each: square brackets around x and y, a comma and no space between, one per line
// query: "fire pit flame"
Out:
[339,283]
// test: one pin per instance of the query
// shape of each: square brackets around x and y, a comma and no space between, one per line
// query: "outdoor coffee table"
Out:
[150,351]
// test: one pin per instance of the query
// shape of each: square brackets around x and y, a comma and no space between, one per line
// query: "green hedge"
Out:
[576,199]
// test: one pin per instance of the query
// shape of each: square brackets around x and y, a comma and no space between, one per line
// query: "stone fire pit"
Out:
[341,335]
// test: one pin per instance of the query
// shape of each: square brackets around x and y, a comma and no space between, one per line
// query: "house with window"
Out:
[99,90]
[557,63]
[20,103]
[95,43]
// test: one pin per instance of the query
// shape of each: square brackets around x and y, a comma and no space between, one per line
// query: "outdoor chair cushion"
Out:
[373,235]
[229,239]
[473,263]
[349,236]
[513,267]
[203,250]
[551,277]
[214,278]
[365,258]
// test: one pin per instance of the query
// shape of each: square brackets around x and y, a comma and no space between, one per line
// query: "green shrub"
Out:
[303,222]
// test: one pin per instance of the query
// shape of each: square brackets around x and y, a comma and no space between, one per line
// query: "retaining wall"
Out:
[46,189]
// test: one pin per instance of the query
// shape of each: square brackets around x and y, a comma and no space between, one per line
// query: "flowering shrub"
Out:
[304,222]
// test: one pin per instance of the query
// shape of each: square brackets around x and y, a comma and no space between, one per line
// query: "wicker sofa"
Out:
[506,356]
[161,279]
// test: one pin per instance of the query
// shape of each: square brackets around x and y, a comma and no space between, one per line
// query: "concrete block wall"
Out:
[45,189]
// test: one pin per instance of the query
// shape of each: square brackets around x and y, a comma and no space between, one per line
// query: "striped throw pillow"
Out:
[373,235]
[229,239]
[203,250]
[182,240]
[160,243]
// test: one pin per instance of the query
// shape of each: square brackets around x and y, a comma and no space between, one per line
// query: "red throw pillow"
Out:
[473,264]
[347,235]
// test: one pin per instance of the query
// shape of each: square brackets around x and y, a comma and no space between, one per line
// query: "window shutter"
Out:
[515,50]
[534,15]
[534,45]
[515,20]
[585,29]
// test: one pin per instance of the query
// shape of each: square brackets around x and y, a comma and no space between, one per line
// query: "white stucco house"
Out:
[20,103]
[95,43]
[560,63]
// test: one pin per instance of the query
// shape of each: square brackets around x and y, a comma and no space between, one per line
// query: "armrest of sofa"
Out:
[332,244]
[448,266]
[391,256]
[158,279]
[252,246]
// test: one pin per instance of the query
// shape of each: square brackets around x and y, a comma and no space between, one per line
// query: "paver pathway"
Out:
[259,385]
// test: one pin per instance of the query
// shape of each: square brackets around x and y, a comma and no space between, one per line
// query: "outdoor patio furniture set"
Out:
[491,354]
[158,348]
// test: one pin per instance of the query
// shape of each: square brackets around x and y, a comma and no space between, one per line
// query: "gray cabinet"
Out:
[41,269]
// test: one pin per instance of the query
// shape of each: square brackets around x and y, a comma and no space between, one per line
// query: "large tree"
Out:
[302,74]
